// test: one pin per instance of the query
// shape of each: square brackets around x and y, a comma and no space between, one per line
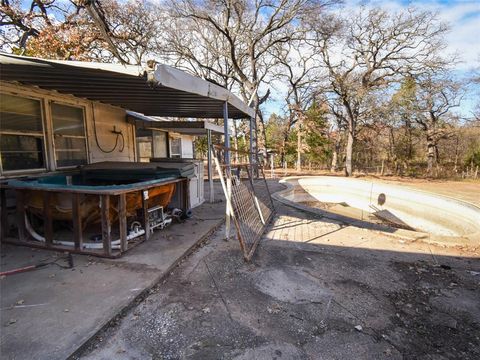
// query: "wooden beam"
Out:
[106,233]
[122,221]
[77,222]
[47,219]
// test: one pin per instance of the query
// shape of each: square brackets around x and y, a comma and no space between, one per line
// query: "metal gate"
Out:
[249,203]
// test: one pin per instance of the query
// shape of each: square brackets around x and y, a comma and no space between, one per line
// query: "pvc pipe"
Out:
[115,243]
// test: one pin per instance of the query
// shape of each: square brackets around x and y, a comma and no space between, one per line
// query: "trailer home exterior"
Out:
[44,131]
[81,136]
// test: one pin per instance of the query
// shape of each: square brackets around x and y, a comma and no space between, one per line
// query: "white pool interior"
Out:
[397,205]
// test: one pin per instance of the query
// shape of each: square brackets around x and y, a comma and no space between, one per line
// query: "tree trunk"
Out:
[455,168]
[336,150]
[430,155]
[349,153]
[299,148]
[282,155]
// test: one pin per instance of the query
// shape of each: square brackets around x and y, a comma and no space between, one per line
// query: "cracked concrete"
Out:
[315,289]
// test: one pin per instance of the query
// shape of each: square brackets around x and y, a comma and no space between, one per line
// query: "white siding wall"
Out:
[105,118]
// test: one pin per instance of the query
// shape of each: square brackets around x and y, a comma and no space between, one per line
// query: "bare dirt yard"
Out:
[316,289]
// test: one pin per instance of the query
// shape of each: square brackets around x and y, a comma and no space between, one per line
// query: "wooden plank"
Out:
[22,236]
[77,222]
[186,194]
[106,233]
[146,222]
[47,219]
[122,221]
[3,215]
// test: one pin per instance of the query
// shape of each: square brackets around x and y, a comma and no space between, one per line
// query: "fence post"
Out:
[226,155]
[210,170]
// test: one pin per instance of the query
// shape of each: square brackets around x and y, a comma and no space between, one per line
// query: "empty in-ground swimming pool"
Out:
[396,206]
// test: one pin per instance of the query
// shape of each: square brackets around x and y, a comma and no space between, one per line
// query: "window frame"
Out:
[52,134]
[43,134]
[152,142]
[166,134]
[170,153]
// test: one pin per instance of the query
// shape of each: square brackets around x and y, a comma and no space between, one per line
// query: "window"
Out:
[22,140]
[175,147]
[159,144]
[144,144]
[151,143]
[69,135]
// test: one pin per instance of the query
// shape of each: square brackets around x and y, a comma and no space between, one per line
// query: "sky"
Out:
[463,16]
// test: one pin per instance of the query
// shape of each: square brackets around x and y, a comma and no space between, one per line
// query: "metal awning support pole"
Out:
[226,135]
[252,148]
[251,140]
[227,168]
[209,163]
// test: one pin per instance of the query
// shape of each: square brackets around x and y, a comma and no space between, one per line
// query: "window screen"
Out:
[151,143]
[175,147]
[159,144]
[144,144]
[21,133]
[69,135]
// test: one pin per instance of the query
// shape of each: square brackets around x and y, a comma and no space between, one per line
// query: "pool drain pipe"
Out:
[115,243]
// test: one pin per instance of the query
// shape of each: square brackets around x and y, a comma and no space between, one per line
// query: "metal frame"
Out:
[53,147]
[47,135]
[249,203]
[38,134]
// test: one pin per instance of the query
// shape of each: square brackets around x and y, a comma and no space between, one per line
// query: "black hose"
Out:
[96,137]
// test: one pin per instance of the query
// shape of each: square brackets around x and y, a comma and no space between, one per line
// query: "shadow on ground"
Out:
[316,289]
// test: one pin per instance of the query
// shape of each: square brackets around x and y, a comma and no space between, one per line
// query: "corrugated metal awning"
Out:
[161,91]
[196,128]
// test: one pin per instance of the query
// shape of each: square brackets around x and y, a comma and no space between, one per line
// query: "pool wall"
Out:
[439,216]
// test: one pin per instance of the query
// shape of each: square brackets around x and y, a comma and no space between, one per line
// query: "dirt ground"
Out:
[315,289]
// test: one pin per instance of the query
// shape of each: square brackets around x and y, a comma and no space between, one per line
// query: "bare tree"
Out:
[436,95]
[298,68]
[336,132]
[248,31]
[367,51]
[81,29]
[20,22]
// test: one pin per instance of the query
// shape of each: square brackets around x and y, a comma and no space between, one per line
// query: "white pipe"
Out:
[115,243]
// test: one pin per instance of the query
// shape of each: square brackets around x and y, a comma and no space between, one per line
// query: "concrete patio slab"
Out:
[50,312]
